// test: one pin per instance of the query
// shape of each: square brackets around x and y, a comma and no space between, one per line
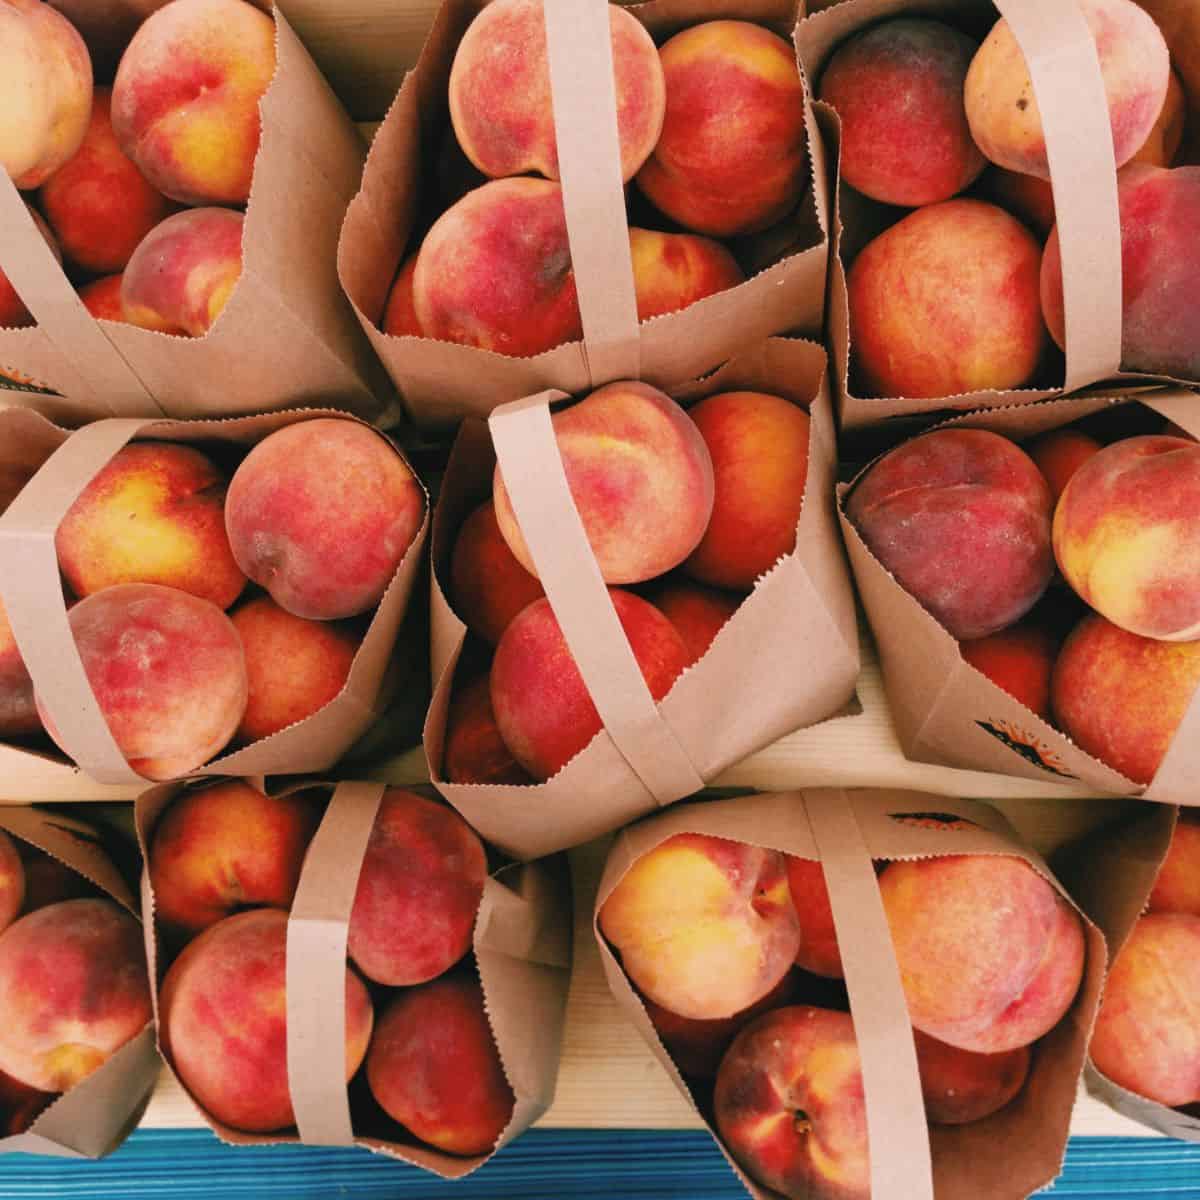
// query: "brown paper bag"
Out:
[441,381]
[786,659]
[42,470]
[522,946]
[97,1114]
[1070,95]
[287,336]
[948,712]
[1009,1154]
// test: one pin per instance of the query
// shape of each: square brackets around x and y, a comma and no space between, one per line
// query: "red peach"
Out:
[961,1086]
[698,613]
[1059,454]
[673,270]
[102,298]
[18,712]
[818,939]
[1019,659]
[474,750]
[400,315]
[1177,887]
[12,881]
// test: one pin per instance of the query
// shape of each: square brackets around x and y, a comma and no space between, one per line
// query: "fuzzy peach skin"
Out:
[698,613]
[184,271]
[500,103]
[186,97]
[400,314]
[418,891]
[321,514]
[167,670]
[20,1105]
[18,712]
[1127,535]
[45,91]
[818,951]
[98,203]
[153,514]
[704,926]
[1019,659]
[73,990]
[12,881]
[759,449]
[1121,697]
[961,1086]
[223,1021]
[542,707]
[898,89]
[226,847]
[434,1067]
[673,270]
[1003,111]
[488,586]
[102,298]
[990,955]
[13,313]
[106,26]
[1059,454]
[961,518]
[1147,1033]
[640,475]
[1160,280]
[946,301]
[495,271]
[294,667]
[731,157]
[790,1106]
[474,751]
[1177,888]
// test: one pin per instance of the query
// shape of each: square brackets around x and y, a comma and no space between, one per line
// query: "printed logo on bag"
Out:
[1027,745]
[933,820]
[13,380]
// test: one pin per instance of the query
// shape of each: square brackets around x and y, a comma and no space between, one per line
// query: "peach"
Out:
[1166,136]
[698,613]
[98,203]
[1003,110]
[673,270]
[45,91]
[990,955]
[542,707]
[946,301]
[418,893]
[495,271]
[184,271]
[12,881]
[106,27]
[898,89]
[961,1086]
[1160,285]
[294,667]
[704,926]
[225,847]
[167,670]
[1177,887]
[790,1106]
[232,977]
[1179,21]
[474,750]
[102,298]
[73,990]
[186,96]
[1059,454]
[720,176]
[48,881]
[1147,1038]
[488,585]
[500,91]
[1121,697]
[435,1068]
[641,478]
[321,513]
[818,951]
[1025,196]
[153,514]
[1126,533]
[961,518]
[1020,660]
[759,449]
[13,313]
[20,1105]
[18,712]
[400,315]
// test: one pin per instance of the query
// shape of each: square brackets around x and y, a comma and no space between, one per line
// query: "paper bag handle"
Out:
[897,1129]
[315,973]
[1065,69]
[583,96]
[104,377]
[532,469]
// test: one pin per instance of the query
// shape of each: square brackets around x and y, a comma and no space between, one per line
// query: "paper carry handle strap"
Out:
[583,96]
[31,588]
[105,378]
[315,973]
[533,474]
[897,1131]
[1060,53]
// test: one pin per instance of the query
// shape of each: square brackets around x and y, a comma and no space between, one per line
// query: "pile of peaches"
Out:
[162,542]
[139,184]
[957,296]
[494,269]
